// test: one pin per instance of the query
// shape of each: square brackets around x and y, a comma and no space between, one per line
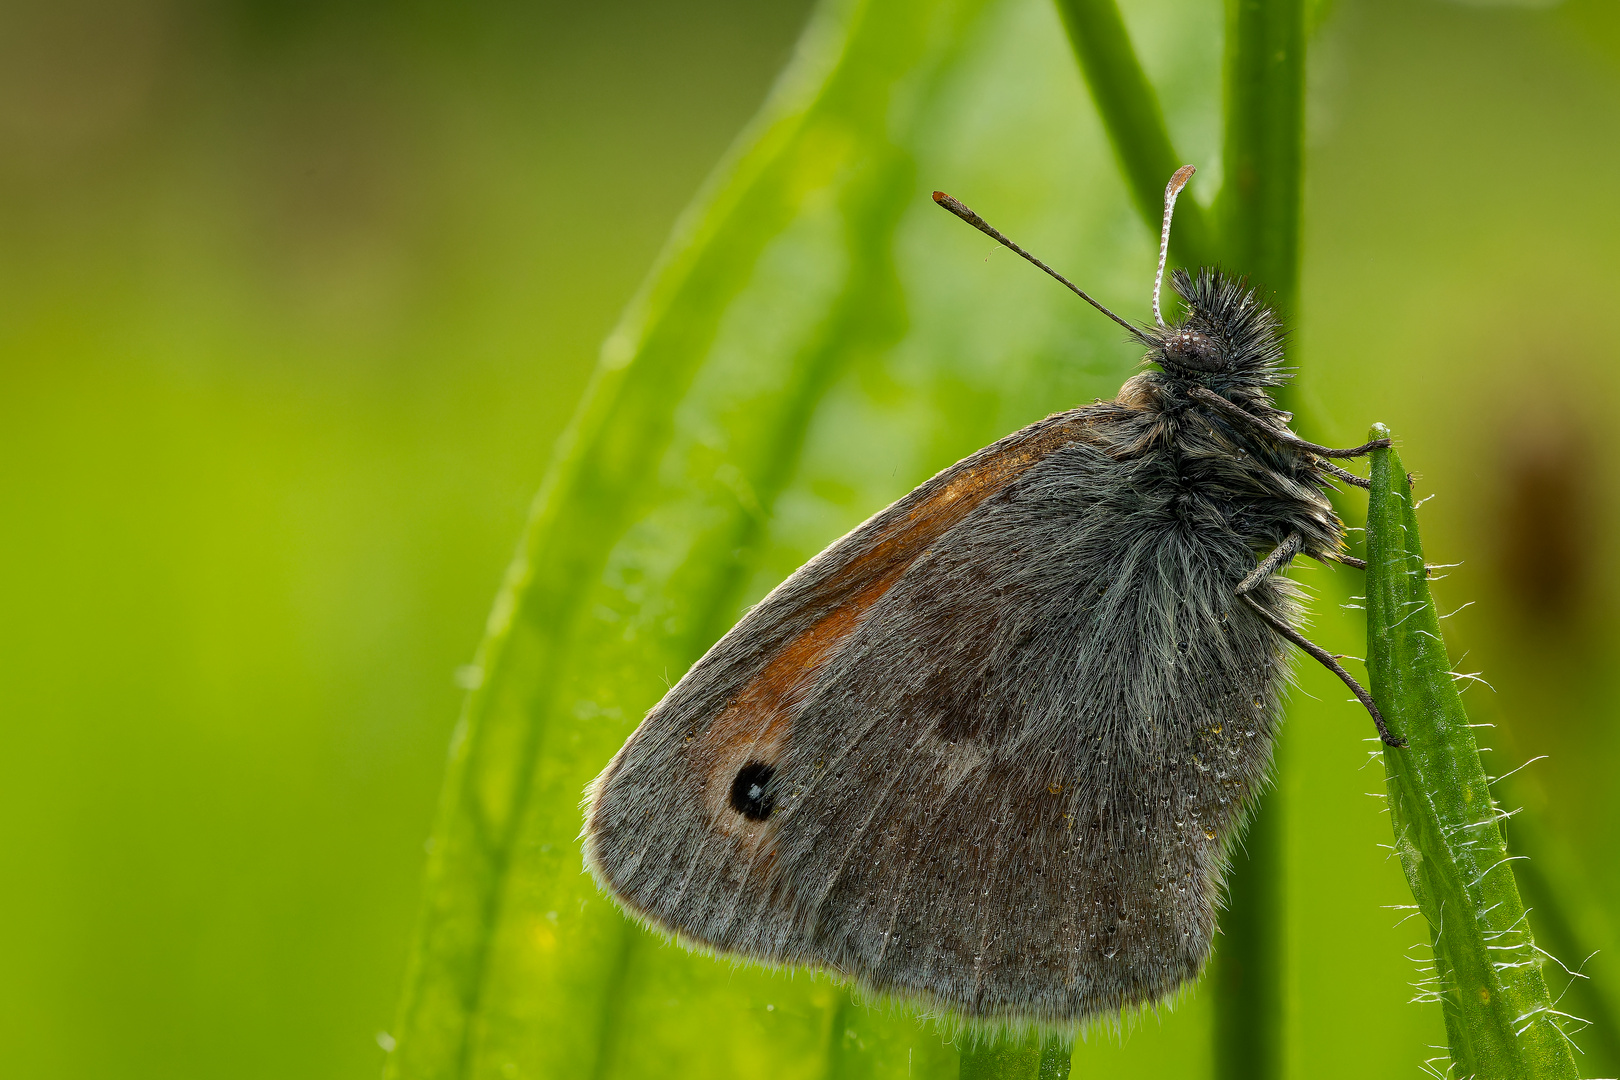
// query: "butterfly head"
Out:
[1227,333]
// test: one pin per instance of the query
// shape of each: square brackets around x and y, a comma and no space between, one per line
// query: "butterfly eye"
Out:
[750,796]
[1189,348]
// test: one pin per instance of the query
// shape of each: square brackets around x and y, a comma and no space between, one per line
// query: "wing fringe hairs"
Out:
[953,1026]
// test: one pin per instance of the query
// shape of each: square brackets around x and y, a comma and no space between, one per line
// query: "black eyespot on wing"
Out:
[750,794]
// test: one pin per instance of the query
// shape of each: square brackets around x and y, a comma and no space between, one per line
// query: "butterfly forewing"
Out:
[665,799]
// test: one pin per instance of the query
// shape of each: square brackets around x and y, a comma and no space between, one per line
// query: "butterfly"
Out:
[991,750]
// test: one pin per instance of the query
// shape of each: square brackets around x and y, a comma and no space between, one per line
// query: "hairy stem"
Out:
[1500,1019]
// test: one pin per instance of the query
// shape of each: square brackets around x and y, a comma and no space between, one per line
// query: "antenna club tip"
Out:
[941,198]
[1179,180]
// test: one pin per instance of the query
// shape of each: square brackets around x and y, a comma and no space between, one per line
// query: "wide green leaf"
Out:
[772,385]
[630,568]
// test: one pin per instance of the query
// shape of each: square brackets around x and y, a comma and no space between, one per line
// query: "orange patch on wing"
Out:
[757,724]
[961,495]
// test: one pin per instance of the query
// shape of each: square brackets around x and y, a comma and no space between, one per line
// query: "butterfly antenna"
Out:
[989,230]
[1171,190]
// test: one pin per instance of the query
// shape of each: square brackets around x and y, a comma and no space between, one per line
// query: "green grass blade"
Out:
[1548,899]
[1558,893]
[1500,1020]
[1031,1057]
[1260,200]
[630,566]
[1135,122]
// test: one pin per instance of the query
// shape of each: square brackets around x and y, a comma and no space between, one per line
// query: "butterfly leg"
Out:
[1354,451]
[1283,553]
[1284,436]
[1281,556]
[1346,475]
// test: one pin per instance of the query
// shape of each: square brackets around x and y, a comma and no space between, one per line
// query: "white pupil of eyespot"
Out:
[755,791]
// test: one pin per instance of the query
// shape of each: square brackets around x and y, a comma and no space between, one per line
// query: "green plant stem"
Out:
[1258,235]
[1246,971]
[1260,200]
[1136,129]
[1259,213]
[1500,1020]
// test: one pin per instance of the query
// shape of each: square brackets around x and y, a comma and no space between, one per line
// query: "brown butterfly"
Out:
[992,749]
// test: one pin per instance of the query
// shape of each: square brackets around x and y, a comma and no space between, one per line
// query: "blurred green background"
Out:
[295,298]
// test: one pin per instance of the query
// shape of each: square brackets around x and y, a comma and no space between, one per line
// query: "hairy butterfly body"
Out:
[992,749]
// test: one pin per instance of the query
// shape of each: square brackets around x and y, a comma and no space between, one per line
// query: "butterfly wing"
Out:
[656,811]
[989,749]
